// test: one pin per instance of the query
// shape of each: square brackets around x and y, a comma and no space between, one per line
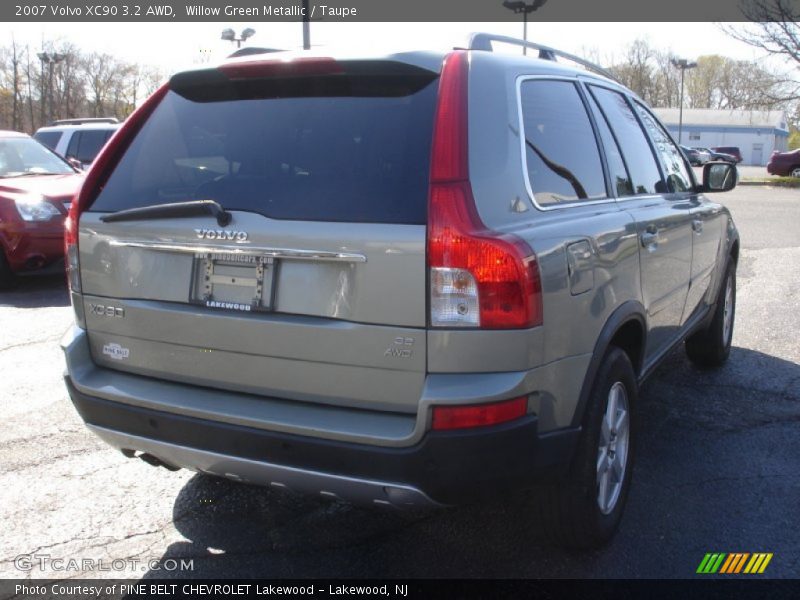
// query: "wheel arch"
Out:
[734,252]
[625,328]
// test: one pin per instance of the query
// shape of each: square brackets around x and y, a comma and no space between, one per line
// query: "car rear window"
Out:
[322,149]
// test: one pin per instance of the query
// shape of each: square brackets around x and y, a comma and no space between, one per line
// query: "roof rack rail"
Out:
[483,41]
[83,121]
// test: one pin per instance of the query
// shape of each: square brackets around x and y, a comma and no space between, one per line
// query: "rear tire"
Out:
[584,510]
[795,172]
[711,347]
[7,278]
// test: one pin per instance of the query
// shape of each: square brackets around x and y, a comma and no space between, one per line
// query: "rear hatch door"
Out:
[316,288]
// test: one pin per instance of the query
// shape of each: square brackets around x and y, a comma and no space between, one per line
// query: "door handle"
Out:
[697,225]
[649,237]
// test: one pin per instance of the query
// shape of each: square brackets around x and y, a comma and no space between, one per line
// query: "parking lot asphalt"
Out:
[717,467]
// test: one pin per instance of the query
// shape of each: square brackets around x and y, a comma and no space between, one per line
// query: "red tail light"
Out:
[478,415]
[101,168]
[479,277]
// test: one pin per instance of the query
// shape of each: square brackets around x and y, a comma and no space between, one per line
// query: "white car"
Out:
[77,140]
[703,154]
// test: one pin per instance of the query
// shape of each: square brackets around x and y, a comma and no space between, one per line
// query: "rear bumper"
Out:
[442,468]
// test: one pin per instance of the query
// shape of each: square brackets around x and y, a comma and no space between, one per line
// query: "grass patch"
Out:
[790,182]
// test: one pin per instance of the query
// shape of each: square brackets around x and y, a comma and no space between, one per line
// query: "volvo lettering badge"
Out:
[221,234]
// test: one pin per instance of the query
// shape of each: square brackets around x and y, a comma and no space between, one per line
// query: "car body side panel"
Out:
[572,321]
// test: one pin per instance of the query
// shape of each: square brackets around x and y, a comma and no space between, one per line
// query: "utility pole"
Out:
[682,64]
[306,26]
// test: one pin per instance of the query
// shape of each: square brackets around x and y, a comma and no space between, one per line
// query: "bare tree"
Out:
[773,29]
[29,80]
[82,85]
[636,68]
[718,82]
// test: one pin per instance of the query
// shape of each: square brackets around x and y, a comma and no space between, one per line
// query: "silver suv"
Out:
[410,280]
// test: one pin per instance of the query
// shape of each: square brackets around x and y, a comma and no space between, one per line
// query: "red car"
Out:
[784,163]
[36,187]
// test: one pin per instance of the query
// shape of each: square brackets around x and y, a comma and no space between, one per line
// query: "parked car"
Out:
[695,157]
[350,277]
[784,163]
[704,154]
[717,155]
[78,140]
[730,151]
[36,187]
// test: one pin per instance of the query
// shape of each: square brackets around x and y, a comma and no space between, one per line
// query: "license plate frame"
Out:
[233,282]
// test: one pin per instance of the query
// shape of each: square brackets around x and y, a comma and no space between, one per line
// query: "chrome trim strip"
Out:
[362,491]
[281,253]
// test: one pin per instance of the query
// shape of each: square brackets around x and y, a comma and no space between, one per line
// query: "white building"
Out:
[755,132]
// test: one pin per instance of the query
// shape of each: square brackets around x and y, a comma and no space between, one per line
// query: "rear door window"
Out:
[322,149]
[642,166]
[89,144]
[561,153]
[620,178]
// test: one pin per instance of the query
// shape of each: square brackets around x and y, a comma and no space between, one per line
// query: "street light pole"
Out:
[682,64]
[43,94]
[51,59]
[519,7]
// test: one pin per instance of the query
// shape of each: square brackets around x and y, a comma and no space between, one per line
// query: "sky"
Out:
[172,46]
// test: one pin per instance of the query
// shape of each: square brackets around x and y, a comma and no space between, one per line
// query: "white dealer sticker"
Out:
[116,351]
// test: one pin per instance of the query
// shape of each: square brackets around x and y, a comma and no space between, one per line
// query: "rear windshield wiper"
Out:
[173,210]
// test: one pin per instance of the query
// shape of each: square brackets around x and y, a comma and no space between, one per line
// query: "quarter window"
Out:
[561,152]
[642,166]
[678,178]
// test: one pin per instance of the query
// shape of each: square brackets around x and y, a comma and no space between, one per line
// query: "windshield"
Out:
[25,156]
[321,151]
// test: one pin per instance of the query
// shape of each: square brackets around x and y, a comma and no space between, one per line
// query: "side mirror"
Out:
[75,163]
[719,177]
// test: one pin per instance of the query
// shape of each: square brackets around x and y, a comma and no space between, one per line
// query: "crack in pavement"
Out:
[31,343]
[50,460]
[109,540]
